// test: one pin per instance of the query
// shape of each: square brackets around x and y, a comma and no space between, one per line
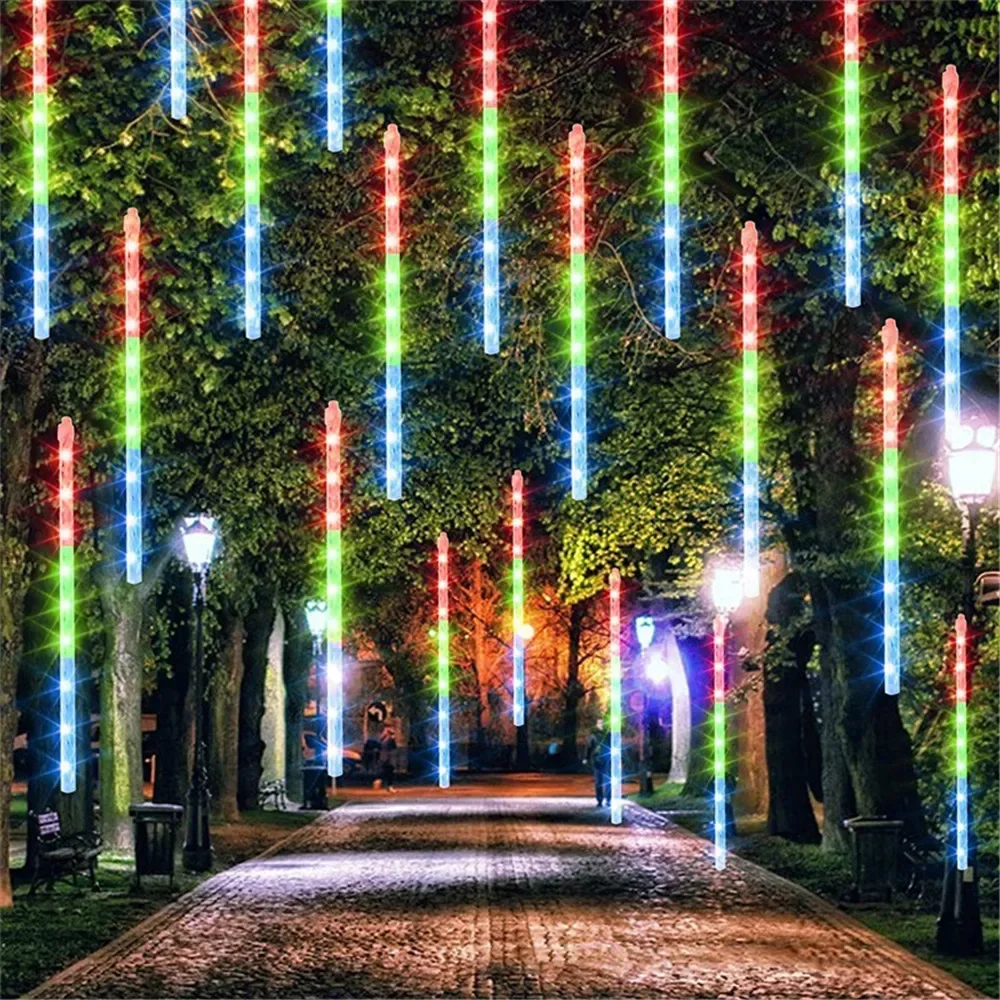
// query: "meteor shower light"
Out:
[67,619]
[671,175]
[133,404]
[334,600]
[952,357]
[751,436]
[961,750]
[393,323]
[615,640]
[890,505]
[334,76]
[852,156]
[444,697]
[40,143]
[491,197]
[578,317]
[517,532]
[251,154]
[719,738]
[178,58]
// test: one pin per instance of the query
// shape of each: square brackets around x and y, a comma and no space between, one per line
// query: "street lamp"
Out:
[972,466]
[199,538]
[645,630]
[727,593]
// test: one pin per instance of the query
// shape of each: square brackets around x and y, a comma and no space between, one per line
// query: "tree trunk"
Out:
[21,385]
[258,625]
[121,712]
[223,708]
[789,648]
[574,689]
[298,659]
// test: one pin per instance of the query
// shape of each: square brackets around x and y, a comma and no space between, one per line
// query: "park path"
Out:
[492,896]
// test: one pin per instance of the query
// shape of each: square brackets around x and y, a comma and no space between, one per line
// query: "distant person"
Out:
[387,751]
[599,758]
[369,755]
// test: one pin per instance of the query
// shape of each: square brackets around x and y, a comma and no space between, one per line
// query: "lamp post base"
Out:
[197,850]
[959,927]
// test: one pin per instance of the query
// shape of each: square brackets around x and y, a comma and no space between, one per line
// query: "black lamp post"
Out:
[199,546]
[645,629]
[972,462]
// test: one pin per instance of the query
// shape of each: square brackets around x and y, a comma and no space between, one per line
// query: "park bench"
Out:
[61,856]
[273,792]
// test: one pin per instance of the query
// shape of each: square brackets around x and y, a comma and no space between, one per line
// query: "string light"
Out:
[67,612]
[961,749]
[578,317]
[719,737]
[615,640]
[133,403]
[491,197]
[178,58]
[444,698]
[393,324]
[952,355]
[334,76]
[671,174]
[251,155]
[517,532]
[890,505]
[751,435]
[852,156]
[334,599]
[40,151]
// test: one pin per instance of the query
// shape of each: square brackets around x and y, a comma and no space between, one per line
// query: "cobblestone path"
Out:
[497,897]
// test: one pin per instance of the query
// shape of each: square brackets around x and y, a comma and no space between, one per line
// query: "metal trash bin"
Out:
[155,825]
[874,856]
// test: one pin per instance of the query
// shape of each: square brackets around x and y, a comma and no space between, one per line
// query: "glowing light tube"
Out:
[251,156]
[615,641]
[334,76]
[890,507]
[671,176]
[961,749]
[517,552]
[751,432]
[334,599]
[67,612]
[178,58]
[578,317]
[393,323]
[719,738]
[40,154]
[852,157]
[444,681]
[491,197]
[133,404]
[952,356]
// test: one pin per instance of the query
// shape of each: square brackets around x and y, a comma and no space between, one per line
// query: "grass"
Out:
[49,931]
[905,922]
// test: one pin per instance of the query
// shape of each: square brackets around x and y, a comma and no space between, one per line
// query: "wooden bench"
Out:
[60,856]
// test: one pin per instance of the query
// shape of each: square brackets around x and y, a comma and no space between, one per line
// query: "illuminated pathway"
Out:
[481,897]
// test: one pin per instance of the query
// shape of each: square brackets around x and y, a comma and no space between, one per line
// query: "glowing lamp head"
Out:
[972,463]
[199,541]
[656,669]
[727,588]
[645,629]
[316,618]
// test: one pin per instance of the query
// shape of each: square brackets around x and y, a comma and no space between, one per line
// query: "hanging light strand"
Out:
[719,738]
[67,611]
[133,402]
[251,153]
[334,599]
[852,156]
[961,748]
[491,195]
[671,174]
[890,506]
[393,322]
[578,317]
[334,76]
[615,642]
[952,288]
[40,151]
[444,680]
[178,59]
[751,428]
[517,639]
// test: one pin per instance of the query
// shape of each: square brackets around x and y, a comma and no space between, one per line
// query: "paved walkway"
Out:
[483,897]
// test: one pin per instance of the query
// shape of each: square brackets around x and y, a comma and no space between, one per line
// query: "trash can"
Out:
[874,856]
[314,786]
[155,825]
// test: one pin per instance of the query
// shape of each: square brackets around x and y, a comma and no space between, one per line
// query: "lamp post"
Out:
[972,464]
[199,547]
[316,620]
[727,593]
[645,630]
